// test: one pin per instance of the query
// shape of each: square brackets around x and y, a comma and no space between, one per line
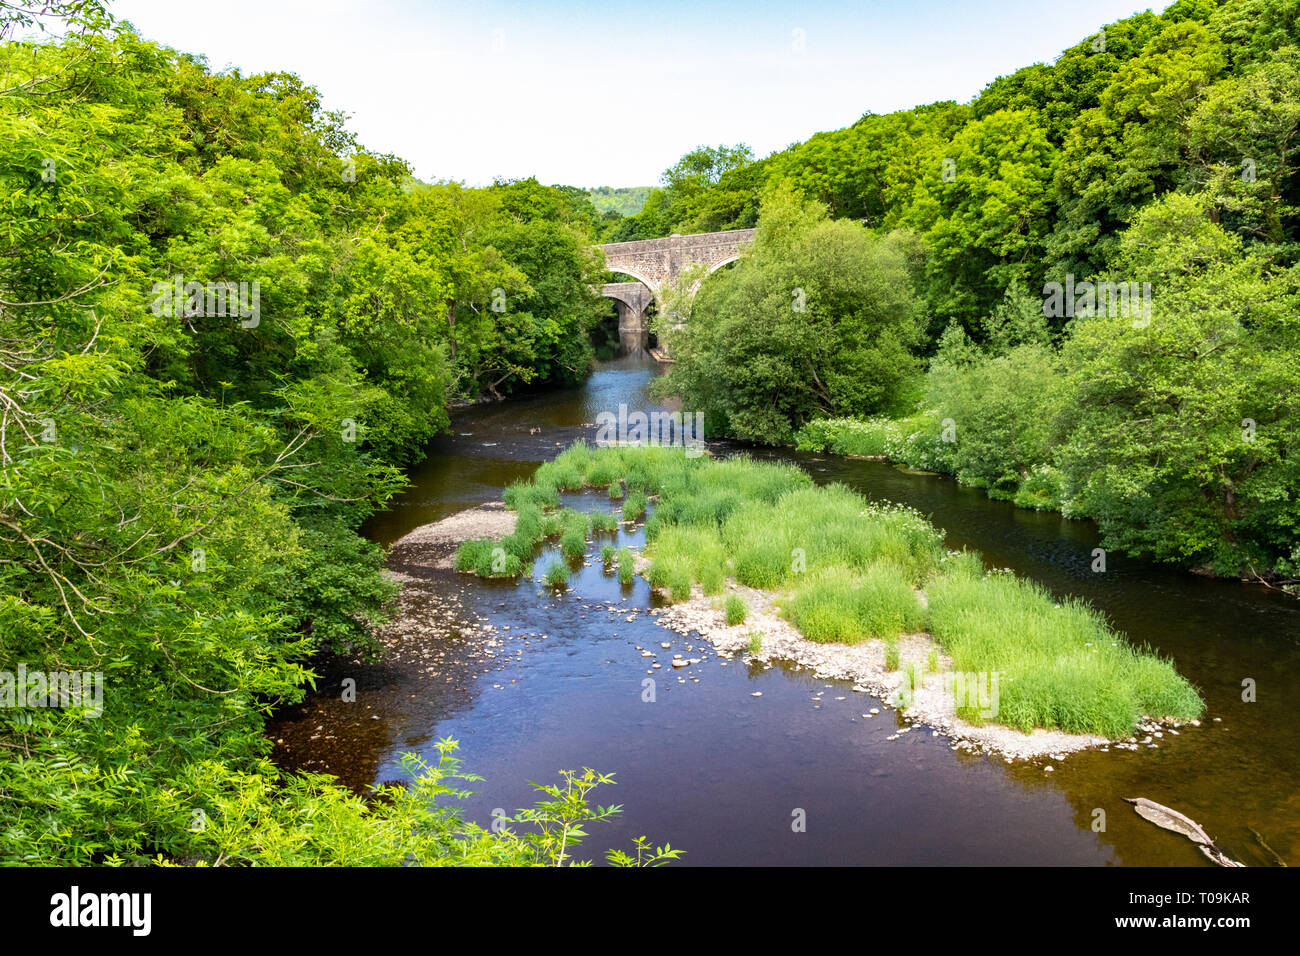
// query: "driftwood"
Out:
[1169,819]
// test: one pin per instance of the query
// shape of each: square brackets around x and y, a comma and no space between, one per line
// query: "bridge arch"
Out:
[658,264]
[633,299]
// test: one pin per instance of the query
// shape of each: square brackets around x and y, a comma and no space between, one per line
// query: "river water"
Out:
[725,775]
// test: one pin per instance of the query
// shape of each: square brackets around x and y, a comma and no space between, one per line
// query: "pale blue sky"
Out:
[612,93]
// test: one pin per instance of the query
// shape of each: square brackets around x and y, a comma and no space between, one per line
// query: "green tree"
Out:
[817,318]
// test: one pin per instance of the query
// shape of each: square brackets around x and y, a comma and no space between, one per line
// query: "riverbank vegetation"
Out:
[225,328]
[848,570]
[1078,291]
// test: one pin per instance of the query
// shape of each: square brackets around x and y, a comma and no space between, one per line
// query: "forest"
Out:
[181,486]
[1148,174]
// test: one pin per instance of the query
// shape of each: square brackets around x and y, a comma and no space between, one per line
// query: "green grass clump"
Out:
[1059,665]
[556,574]
[616,491]
[891,654]
[810,528]
[712,578]
[673,573]
[607,555]
[626,566]
[523,493]
[603,521]
[735,610]
[962,564]
[573,544]
[697,549]
[755,645]
[488,559]
[846,607]
[634,505]
[603,470]
[763,563]
[471,554]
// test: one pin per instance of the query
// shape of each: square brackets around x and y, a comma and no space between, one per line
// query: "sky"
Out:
[612,93]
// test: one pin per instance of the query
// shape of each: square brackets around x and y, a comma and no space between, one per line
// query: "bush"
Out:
[759,368]
[868,437]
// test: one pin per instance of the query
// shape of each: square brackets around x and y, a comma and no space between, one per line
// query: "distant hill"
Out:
[625,200]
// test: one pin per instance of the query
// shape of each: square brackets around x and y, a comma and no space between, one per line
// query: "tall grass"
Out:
[810,529]
[556,575]
[849,568]
[626,566]
[845,606]
[634,505]
[735,610]
[1060,665]
[602,522]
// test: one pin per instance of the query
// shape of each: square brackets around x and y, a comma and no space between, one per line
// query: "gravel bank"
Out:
[864,665]
[434,545]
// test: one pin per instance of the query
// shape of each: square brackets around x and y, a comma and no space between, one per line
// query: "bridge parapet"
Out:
[658,262]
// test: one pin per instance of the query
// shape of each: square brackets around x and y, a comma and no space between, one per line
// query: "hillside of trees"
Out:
[1078,291]
[623,200]
[225,328]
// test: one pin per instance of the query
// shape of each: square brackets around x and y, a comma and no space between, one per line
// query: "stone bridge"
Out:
[657,264]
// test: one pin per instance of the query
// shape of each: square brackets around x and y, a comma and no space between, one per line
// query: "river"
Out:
[723,774]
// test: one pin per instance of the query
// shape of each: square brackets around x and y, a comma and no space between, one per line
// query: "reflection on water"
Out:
[721,773]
